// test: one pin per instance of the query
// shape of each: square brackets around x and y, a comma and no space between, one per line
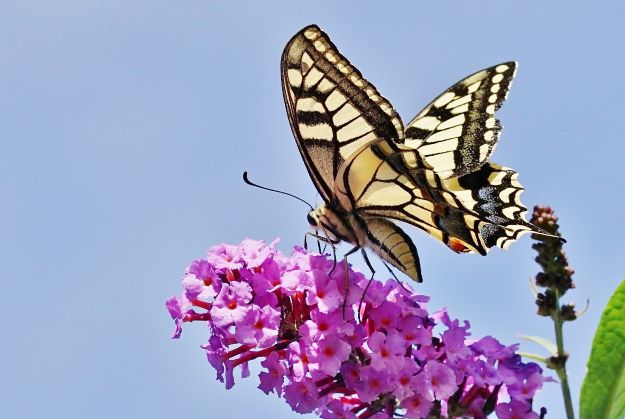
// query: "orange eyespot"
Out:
[457,246]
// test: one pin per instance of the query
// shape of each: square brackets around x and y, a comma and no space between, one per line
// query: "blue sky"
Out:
[125,127]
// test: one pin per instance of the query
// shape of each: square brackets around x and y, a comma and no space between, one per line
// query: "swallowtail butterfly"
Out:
[434,173]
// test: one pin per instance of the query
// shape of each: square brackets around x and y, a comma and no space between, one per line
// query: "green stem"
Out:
[561,366]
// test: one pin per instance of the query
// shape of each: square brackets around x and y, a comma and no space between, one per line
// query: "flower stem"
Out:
[556,277]
[560,365]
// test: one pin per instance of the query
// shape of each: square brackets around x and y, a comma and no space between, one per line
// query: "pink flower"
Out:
[324,324]
[201,280]
[330,353]
[255,252]
[491,347]
[386,315]
[273,378]
[350,371]
[259,327]
[373,384]
[406,382]
[436,381]
[301,395]
[454,339]
[326,295]
[416,406]
[298,360]
[216,353]
[337,410]
[231,305]
[224,256]
[414,332]
[516,409]
[386,350]
[263,288]
[177,308]
[526,388]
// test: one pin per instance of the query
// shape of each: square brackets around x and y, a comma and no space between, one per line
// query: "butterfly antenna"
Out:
[249,182]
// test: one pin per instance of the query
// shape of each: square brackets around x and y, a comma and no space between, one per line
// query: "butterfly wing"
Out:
[457,132]
[469,213]
[332,109]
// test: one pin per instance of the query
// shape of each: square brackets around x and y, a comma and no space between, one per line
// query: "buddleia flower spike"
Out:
[400,360]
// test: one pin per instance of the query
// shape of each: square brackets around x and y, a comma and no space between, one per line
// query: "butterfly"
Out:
[369,169]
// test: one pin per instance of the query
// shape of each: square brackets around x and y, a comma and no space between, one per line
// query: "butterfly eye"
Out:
[311,220]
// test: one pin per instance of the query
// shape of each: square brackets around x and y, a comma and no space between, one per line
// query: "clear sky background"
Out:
[125,127]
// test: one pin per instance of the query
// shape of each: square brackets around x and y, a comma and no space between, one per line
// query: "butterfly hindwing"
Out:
[493,193]
[332,109]
[457,132]
[470,213]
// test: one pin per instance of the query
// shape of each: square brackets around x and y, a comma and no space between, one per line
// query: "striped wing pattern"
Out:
[494,193]
[332,109]
[470,213]
[457,132]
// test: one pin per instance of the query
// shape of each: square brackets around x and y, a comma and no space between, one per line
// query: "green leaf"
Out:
[603,391]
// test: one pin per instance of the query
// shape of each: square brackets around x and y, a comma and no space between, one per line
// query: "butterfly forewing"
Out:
[332,109]
[457,132]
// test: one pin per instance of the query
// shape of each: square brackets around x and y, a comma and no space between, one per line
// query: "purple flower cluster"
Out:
[328,346]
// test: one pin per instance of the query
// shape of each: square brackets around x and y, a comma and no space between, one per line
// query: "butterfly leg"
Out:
[364,293]
[319,239]
[352,251]
[395,277]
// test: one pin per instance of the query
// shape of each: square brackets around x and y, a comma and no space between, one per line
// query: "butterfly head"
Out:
[320,217]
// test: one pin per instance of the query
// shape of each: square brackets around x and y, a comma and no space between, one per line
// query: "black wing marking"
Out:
[332,109]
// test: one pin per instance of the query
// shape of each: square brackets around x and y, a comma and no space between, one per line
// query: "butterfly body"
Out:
[369,170]
[337,224]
